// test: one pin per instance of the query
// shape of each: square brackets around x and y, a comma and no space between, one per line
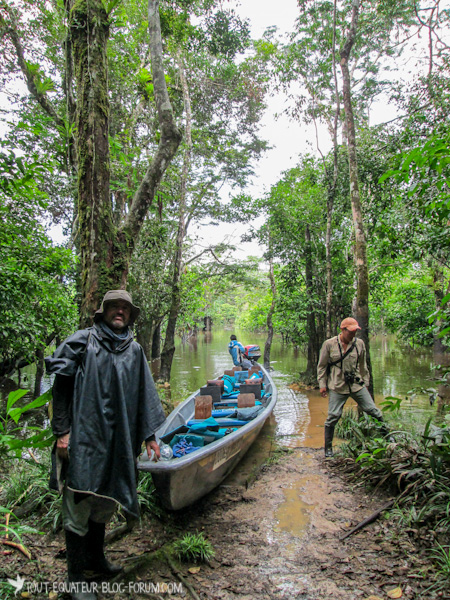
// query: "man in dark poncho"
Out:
[105,405]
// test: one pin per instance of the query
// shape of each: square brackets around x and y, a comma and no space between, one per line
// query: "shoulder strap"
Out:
[346,353]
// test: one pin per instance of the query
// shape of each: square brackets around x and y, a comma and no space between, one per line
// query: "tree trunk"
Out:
[309,376]
[331,192]
[439,348]
[169,340]
[144,336]
[268,344]
[360,252]
[156,342]
[89,31]
[105,251]
[40,368]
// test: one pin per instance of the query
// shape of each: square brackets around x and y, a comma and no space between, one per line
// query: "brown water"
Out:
[299,415]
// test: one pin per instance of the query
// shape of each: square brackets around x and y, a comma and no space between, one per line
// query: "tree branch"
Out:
[170,134]
[29,76]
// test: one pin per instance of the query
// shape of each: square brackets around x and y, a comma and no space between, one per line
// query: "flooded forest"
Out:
[240,171]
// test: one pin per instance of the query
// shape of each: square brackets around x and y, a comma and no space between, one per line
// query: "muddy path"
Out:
[280,539]
[277,538]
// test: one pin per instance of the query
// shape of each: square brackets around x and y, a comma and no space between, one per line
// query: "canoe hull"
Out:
[181,482]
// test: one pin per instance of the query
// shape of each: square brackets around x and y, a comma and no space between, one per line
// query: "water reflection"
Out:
[299,415]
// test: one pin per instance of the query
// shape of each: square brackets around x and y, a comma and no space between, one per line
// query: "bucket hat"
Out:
[117,295]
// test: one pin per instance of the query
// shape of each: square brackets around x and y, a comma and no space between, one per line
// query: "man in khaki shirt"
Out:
[342,368]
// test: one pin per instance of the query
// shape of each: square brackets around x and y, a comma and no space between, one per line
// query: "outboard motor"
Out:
[252,353]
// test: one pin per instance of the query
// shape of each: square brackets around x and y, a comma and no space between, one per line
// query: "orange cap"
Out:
[350,324]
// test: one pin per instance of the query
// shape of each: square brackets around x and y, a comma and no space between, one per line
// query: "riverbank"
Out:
[275,537]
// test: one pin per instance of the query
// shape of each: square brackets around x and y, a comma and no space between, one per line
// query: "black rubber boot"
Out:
[76,556]
[97,560]
[329,433]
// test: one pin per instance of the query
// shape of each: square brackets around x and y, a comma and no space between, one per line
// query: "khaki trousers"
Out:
[336,402]
[76,516]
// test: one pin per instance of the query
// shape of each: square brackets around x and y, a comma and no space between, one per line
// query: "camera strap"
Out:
[341,359]
[343,355]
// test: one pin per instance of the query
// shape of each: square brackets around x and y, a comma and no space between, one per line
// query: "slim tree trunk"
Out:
[360,252]
[40,368]
[268,344]
[309,375]
[156,342]
[331,192]
[144,336]
[169,340]
[439,347]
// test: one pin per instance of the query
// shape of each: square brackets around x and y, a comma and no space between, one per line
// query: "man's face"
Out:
[347,335]
[117,315]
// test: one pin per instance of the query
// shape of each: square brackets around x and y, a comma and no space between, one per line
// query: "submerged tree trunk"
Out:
[156,342]
[360,252]
[169,340]
[268,344]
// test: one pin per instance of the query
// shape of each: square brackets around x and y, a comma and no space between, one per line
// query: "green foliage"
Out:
[11,440]
[37,304]
[441,555]
[147,498]
[193,547]
[402,302]
[28,483]
[426,171]
[417,469]
[254,306]
[15,528]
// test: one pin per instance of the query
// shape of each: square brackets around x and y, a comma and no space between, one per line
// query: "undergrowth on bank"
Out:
[415,466]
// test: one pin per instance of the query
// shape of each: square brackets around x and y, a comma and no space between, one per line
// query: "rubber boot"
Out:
[329,433]
[97,560]
[76,556]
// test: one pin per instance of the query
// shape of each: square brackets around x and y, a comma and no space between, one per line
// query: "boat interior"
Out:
[217,409]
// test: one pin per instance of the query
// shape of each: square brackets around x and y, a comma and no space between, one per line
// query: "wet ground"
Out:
[280,539]
[275,535]
[275,527]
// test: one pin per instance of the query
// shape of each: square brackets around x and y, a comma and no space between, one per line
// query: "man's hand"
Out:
[323,392]
[62,443]
[153,446]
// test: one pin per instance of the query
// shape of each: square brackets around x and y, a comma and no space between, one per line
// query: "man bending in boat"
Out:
[237,351]
[105,405]
[342,368]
